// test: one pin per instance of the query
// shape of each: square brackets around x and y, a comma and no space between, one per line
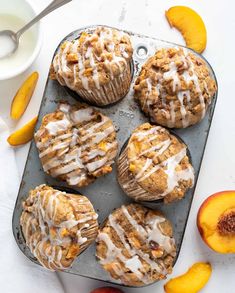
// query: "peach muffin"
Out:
[136,245]
[175,88]
[57,226]
[76,144]
[154,165]
[97,65]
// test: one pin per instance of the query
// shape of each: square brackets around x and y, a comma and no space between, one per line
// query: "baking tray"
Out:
[105,193]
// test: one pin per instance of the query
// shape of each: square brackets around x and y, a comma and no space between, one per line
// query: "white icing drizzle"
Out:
[173,176]
[75,163]
[188,75]
[142,134]
[89,55]
[81,71]
[52,141]
[54,127]
[155,234]
[183,111]
[194,78]
[160,148]
[82,115]
[46,214]
[147,164]
[96,164]
[136,262]
[78,69]
[172,74]
[168,166]
[60,64]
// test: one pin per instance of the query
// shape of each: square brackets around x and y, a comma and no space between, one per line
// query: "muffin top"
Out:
[136,245]
[57,226]
[159,163]
[92,60]
[76,144]
[175,87]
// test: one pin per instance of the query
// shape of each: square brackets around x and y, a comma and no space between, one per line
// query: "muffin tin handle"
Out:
[51,7]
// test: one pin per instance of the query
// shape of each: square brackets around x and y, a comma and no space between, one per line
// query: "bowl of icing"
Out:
[14,14]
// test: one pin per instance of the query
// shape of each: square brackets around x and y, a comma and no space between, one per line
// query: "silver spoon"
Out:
[14,37]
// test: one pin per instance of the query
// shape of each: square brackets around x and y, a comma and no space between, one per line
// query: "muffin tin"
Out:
[105,193]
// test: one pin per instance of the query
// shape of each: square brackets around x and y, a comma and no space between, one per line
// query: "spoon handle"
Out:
[51,7]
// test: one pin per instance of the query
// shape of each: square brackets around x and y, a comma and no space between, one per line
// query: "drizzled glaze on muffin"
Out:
[155,165]
[57,226]
[76,144]
[92,60]
[136,245]
[175,88]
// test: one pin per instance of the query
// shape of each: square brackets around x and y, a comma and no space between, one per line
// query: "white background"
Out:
[217,172]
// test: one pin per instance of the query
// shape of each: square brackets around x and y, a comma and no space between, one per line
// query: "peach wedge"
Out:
[23,96]
[192,281]
[24,134]
[216,221]
[191,26]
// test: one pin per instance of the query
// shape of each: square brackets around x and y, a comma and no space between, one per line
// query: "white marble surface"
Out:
[217,172]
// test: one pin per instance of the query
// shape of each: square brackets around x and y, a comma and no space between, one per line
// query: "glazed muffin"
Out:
[97,65]
[57,226]
[175,88]
[154,165]
[136,246]
[76,144]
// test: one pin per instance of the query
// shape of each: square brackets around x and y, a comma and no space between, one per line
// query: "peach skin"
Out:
[192,281]
[24,134]
[216,221]
[190,24]
[23,96]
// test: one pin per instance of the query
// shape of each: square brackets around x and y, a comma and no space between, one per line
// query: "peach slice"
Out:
[24,134]
[216,221]
[23,96]
[190,24]
[192,281]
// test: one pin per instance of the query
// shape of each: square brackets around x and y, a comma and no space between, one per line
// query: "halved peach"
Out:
[216,221]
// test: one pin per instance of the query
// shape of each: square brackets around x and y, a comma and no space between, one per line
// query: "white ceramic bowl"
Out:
[23,10]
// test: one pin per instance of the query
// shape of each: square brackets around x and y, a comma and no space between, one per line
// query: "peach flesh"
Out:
[216,221]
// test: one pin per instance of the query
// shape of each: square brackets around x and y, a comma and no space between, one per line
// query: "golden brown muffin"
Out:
[76,144]
[97,66]
[175,88]
[57,226]
[136,245]
[154,165]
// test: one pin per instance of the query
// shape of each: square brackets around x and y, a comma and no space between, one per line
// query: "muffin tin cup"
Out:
[128,182]
[109,93]
[105,193]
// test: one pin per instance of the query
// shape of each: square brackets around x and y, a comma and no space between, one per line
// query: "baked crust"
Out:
[96,66]
[175,88]
[76,144]
[136,245]
[155,165]
[57,226]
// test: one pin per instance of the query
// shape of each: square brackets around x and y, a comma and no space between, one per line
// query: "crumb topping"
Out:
[92,60]
[57,226]
[158,162]
[76,144]
[136,245]
[175,88]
